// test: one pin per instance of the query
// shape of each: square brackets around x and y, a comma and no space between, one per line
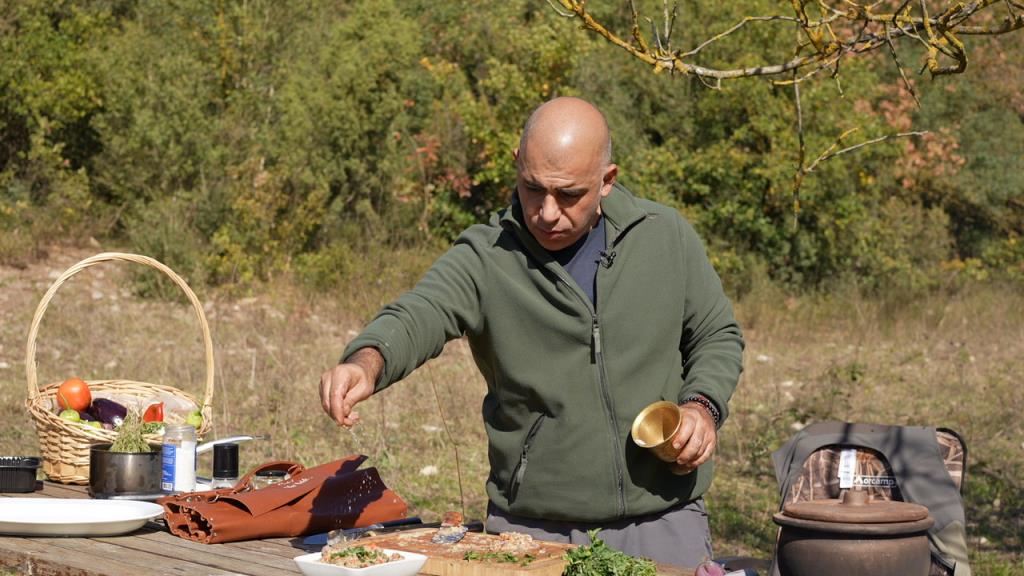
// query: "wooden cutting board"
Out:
[449,560]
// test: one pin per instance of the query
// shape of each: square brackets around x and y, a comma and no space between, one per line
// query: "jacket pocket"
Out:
[524,455]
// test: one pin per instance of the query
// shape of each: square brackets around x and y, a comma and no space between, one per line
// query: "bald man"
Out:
[582,304]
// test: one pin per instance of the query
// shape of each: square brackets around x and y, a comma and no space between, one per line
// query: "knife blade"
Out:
[345,534]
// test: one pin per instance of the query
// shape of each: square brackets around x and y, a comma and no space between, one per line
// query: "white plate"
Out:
[410,564]
[73,517]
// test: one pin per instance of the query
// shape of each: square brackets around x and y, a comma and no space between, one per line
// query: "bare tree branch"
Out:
[942,32]
[734,28]
[637,36]
[559,11]
[654,32]
[801,172]
[896,59]
[828,154]
[821,44]
[819,68]
[835,75]
[670,22]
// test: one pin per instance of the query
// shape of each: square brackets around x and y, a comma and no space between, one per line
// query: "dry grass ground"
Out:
[950,360]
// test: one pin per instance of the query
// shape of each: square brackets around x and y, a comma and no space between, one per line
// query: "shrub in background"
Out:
[164,229]
[269,133]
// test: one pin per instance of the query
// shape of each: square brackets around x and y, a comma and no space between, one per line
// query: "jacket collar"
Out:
[619,208]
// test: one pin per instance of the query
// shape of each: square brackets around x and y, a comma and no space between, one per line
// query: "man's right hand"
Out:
[347,384]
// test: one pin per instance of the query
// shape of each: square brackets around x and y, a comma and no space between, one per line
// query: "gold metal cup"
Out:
[655,427]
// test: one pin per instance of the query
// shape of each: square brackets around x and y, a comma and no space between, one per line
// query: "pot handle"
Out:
[207,446]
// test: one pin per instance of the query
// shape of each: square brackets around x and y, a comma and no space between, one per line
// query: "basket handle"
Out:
[30,351]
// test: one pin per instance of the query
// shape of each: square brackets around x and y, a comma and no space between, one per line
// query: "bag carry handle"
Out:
[30,350]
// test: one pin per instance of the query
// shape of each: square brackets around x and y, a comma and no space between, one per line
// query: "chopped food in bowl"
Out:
[357,556]
[346,559]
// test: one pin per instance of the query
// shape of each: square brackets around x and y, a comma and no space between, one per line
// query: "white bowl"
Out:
[410,564]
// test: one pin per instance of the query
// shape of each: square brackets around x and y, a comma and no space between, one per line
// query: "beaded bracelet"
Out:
[707,404]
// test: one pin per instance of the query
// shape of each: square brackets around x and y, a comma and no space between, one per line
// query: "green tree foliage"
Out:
[238,140]
[48,97]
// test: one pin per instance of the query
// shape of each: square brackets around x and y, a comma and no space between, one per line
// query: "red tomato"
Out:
[155,413]
[74,394]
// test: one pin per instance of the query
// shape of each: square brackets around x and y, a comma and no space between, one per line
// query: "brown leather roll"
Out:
[319,499]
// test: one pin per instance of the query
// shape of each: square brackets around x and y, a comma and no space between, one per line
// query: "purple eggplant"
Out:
[86,416]
[108,411]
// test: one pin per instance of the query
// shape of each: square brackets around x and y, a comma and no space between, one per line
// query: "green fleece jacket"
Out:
[565,381]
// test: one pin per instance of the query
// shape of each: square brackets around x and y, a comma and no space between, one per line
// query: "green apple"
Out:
[71,415]
[94,424]
[194,419]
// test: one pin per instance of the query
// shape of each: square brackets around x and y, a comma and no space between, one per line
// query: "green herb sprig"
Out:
[362,554]
[129,435]
[598,559]
[508,557]
[359,552]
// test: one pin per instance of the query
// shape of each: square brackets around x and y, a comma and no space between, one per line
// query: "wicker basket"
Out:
[64,444]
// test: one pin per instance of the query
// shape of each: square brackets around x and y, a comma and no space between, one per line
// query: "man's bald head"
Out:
[568,127]
[563,170]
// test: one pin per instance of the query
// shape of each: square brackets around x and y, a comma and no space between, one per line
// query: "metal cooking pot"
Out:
[113,474]
[853,535]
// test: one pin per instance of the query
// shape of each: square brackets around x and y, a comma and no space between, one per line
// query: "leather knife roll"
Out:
[325,497]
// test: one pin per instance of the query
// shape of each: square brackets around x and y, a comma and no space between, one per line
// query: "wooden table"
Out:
[152,551]
[149,551]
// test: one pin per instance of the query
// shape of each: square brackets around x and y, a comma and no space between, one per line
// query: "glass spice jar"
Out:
[178,458]
[265,478]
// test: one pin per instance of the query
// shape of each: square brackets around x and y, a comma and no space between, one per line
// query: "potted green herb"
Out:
[129,466]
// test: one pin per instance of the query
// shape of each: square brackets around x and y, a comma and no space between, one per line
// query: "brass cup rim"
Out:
[638,422]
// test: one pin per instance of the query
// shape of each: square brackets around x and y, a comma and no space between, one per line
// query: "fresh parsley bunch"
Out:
[598,559]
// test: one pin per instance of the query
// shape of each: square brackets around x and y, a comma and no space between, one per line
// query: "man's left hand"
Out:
[697,437]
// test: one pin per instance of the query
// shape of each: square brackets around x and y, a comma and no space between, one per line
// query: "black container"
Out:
[18,473]
[225,460]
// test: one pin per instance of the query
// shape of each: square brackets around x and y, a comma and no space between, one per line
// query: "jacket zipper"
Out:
[606,394]
[609,412]
[520,471]
[603,379]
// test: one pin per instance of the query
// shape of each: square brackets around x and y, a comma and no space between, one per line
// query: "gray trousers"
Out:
[678,536]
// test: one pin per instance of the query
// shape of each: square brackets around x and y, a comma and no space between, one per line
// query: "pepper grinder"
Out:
[225,465]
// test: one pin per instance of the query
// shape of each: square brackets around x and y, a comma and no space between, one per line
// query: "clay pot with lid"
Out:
[853,535]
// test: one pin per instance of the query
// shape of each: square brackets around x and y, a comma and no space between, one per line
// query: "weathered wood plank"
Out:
[50,493]
[244,557]
[54,490]
[270,556]
[211,556]
[82,557]
[140,561]
[281,548]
